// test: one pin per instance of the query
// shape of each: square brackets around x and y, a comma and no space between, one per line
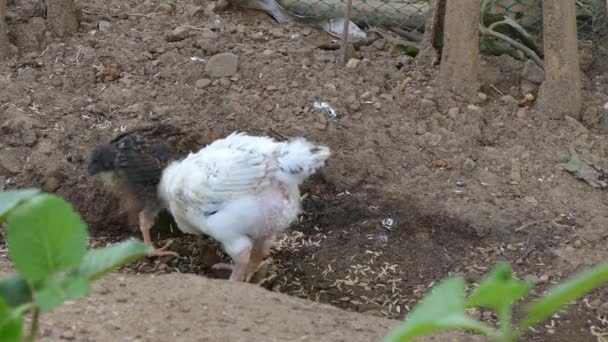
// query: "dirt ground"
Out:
[185,307]
[421,184]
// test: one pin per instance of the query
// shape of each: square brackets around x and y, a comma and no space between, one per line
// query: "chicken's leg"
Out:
[239,269]
[146,221]
[261,249]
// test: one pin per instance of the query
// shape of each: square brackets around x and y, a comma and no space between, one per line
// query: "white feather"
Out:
[240,187]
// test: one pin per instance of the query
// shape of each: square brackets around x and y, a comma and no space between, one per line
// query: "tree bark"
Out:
[61,16]
[432,42]
[4,43]
[560,94]
[460,56]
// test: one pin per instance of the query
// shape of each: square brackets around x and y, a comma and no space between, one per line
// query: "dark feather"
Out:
[137,158]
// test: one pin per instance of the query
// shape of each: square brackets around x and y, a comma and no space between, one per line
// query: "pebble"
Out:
[453,112]
[531,200]
[9,160]
[268,52]
[532,72]
[428,105]
[215,24]
[164,8]
[522,113]
[178,33]
[277,32]
[202,83]
[482,96]
[508,99]
[104,26]
[222,65]
[379,44]
[469,164]
[353,63]
[473,108]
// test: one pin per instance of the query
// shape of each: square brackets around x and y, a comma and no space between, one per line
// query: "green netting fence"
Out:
[592,15]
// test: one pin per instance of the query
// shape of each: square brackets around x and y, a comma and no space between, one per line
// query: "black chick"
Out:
[135,160]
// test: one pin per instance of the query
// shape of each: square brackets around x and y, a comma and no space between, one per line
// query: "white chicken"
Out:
[242,191]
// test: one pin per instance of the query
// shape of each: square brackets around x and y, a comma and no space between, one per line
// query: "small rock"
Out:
[268,52]
[430,139]
[215,24]
[473,108]
[222,65]
[533,72]
[51,184]
[353,63]
[164,8]
[202,83]
[508,99]
[596,303]
[522,113]
[531,278]
[377,105]
[428,105]
[482,96]
[178,33]
[531,200]
[277,32]
[379,44]
[576,125]
[206,45]
[9,160]
[104,26]
[469,164]
[453,112]
[68,335]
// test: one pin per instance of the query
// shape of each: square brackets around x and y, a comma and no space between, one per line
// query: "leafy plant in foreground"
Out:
[444,308]
[47,242]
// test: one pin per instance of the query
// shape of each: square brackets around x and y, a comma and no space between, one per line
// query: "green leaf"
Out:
[409,50]
[442,310]
[45,236]
[499,290]
[560,295]
[15,290]
[10,199]
[55,292]
[11,326]
[101,261]
[49,297]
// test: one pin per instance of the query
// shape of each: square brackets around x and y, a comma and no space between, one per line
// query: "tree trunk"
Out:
[460,56]
[560,94]
[432,42]
[61,16]
[4,44]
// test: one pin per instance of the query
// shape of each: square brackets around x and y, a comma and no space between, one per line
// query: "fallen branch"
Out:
[486,31]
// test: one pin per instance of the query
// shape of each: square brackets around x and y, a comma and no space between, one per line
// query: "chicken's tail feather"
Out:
[300,158]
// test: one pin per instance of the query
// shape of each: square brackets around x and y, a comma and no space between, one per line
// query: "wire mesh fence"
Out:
[592,15]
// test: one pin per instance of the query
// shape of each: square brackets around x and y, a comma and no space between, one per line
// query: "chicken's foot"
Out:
[146,221]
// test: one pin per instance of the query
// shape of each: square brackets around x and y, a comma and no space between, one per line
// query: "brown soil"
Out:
[394,128]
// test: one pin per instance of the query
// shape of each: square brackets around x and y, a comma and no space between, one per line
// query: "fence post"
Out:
[560,93]
[432,41]
[460,55]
